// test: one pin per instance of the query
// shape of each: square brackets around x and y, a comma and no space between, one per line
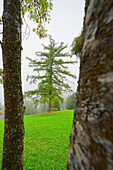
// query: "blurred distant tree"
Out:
[62,105]
[43,107]
[70,102]
[52,74]
[30,108]
[77,45]
[56,104]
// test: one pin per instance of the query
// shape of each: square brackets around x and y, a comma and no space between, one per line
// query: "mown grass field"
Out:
[46,140]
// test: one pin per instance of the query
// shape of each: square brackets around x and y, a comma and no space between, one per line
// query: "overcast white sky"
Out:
[66,23]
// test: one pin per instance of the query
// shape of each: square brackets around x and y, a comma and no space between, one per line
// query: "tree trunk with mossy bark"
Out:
[91,140]
[12,158]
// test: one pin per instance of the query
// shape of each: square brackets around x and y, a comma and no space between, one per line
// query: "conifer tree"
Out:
[70,102]
[52,72]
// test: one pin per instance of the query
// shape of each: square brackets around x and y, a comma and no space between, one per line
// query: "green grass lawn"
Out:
[46,140]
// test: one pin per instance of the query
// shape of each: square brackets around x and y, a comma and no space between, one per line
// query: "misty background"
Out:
[66,24]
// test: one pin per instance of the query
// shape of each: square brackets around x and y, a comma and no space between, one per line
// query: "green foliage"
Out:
[39,12]
[55,105]
[46,140]
[51,72]
[47,110]
[53,109]
[77,45]
[1,75]
[70,102]
[0,21]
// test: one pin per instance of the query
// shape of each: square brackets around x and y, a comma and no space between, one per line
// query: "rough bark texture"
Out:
[91,140]
[12,158]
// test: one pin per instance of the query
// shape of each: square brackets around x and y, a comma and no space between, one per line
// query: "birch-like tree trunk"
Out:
[12,158]
[91,140]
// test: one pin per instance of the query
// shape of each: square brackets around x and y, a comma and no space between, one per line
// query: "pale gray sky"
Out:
[66,23]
